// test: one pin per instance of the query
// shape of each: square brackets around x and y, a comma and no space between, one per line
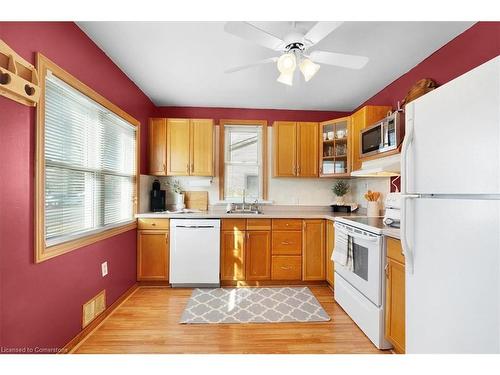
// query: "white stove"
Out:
[359,286]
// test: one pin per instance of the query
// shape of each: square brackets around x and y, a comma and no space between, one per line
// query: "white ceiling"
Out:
[183,63]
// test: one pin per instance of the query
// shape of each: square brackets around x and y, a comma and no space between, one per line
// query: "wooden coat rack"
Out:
[18,78]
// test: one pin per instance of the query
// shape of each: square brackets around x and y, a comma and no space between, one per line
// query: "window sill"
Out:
[227,201]
[44,253]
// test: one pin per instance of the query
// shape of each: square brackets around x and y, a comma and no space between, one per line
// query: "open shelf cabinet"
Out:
[334,150]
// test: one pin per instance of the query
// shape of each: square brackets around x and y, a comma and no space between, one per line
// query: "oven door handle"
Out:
[358,236]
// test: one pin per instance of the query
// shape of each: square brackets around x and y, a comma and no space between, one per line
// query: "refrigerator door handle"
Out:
[405,244]
[408,139]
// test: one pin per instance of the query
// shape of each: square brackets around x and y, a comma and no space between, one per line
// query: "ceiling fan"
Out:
[294,49]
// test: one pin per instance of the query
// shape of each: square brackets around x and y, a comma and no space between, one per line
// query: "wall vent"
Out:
[93,308]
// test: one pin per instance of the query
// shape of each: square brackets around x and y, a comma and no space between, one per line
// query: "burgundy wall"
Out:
[475,46]
[40,304]
[270,115]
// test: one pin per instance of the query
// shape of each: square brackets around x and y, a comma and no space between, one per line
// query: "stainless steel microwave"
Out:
[383,136]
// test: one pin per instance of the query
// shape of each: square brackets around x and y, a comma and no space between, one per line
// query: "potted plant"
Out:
[340,189]
[177,193]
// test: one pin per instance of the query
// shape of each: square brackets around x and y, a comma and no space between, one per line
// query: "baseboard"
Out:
[73,343]
[153,283]
[272,283]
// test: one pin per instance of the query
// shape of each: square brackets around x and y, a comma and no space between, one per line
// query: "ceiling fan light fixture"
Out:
[308,68]
[286,78]
[287,63]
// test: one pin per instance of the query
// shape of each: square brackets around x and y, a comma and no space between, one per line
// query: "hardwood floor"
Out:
[148,322]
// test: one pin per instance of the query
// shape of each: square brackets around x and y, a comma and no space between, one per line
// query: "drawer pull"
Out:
[286,243]
[285,268]
[153,224]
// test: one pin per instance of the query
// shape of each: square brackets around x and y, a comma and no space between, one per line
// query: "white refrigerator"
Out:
[450,225]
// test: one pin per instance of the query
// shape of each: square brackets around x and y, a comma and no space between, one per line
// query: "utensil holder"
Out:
[372,209]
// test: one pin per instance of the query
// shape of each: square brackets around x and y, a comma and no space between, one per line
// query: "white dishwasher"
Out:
[194,252]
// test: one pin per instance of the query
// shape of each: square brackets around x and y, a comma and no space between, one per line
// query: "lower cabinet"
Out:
[258,255]
[152,255]
[232,255]
[313,250]
[330,243]
[395,296]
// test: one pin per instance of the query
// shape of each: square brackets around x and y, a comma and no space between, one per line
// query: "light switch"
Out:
[104,269]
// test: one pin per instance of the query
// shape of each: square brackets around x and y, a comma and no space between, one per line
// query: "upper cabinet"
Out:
[335,148]
[295,151]
[361,119]
[158,146]
[181,147]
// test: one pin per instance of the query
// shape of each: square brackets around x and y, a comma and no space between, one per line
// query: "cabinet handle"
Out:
[192,167]
[166,238]
[286,243]
[298,170]
[187,168]
[285,268]
[164,167]
[153,224]
[386,270]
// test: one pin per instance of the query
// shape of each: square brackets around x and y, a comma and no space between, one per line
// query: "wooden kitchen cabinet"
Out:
[285,149]
[190,147]
[313,250]
[178,141]
[232,255]
[395,296]
[258,255]
[361,119]
[152,255]
[330,244]
[158,146]
[335,148]
[202,148]
[307,149]
[295,151]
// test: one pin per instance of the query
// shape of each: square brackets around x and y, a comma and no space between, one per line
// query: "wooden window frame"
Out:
[43,252]
[263,124]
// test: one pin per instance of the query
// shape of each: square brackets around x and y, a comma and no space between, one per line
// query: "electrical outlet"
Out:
[104,269]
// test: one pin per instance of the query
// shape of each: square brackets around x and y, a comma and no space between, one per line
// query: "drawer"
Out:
[287,224]
[160,224]
[258,224]
[234,224]
[286,268]
[394,249]
[286,242]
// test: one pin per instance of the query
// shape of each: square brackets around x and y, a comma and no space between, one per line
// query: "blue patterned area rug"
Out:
[253,305]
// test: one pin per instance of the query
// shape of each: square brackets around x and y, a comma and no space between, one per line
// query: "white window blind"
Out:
[90,165]
[242,162]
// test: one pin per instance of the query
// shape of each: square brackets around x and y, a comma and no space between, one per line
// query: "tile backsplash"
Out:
[282,191]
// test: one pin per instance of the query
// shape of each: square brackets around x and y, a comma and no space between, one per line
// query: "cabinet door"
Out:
[232,255]
[158,146]
[202,148]
[152,255]
[285,149]
[330,242]
[258,255]
[313,242]
[307,149]
[395,305]
[178,141]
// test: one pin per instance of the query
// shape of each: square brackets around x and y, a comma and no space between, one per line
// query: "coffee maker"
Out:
[157,197]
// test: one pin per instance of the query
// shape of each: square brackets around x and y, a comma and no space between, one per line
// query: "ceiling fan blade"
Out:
[339,59]
[241,67]
[320,30]
[250,32]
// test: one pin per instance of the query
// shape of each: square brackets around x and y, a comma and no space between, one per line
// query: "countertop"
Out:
[290,213]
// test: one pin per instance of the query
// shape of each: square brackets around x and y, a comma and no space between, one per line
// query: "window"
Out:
[243,151]
[87,166]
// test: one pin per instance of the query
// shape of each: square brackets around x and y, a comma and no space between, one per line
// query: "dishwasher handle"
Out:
[194,226]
